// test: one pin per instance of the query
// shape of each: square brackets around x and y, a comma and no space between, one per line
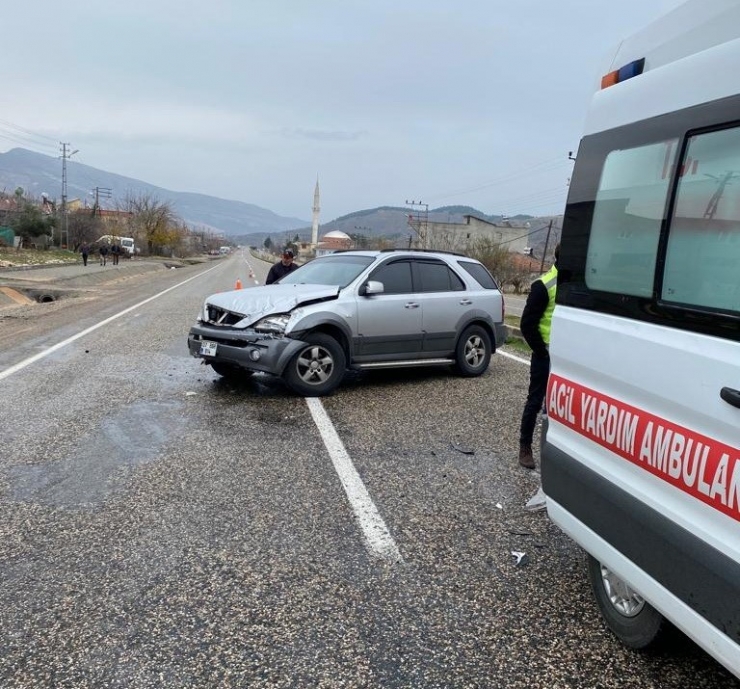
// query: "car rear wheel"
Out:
[473,352]
[635,622]
[318,368]
[229,370]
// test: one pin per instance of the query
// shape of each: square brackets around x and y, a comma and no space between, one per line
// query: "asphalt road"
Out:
[160,528]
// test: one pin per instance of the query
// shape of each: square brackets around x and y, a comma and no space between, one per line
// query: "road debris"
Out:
[521,558]
[536,502]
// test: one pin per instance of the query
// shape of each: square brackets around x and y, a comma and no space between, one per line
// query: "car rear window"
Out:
[479,273]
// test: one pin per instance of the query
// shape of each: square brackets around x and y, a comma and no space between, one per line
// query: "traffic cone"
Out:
[238,284]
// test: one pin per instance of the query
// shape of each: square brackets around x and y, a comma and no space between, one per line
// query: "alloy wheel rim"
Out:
[315,365]
[474,351]
[624,599]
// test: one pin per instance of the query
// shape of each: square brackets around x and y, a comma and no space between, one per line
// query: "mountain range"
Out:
[240,222]
[37,174]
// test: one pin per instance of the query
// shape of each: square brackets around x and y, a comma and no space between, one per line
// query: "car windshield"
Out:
[337,270]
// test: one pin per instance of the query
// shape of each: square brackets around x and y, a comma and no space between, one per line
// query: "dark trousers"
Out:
[84,259]
[539,370]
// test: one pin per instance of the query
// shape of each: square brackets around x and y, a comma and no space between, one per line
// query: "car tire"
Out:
[632,619]
[318,368]
[473,351]
[229,371]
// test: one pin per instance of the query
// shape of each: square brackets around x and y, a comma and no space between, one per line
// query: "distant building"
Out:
[333,241]
[456,236]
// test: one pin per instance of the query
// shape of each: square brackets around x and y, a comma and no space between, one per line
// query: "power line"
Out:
[544,166]
[26,137]
[27,132]
[32,145]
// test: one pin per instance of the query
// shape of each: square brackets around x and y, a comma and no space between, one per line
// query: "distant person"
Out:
[85,251]
[115,252]
[103,251]
[284,266]
[535,326]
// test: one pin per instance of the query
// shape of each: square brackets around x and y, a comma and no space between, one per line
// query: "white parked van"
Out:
[641,456]
[126,243]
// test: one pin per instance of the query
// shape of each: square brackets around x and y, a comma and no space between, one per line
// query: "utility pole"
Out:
[103,192]
[65,231]
[544,253]
[422,226]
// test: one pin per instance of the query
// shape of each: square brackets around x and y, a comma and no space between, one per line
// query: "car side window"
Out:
[703,251]
[395,276]
[436,277]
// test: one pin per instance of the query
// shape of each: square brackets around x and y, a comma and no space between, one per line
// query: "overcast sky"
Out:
[473,102]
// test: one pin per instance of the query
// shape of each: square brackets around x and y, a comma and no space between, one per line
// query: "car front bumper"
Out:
[244,348]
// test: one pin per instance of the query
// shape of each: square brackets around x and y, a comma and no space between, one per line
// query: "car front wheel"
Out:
[634,621]
[317,368]
[473,352]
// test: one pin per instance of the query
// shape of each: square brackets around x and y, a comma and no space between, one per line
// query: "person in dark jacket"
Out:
[85,251]
[284,266]
[535,326]
[103,252]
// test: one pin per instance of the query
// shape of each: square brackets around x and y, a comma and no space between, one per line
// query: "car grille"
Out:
[218,316]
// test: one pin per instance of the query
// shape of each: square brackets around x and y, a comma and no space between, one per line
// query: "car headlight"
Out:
[273,324]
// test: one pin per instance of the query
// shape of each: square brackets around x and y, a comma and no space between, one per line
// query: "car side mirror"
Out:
[372,287]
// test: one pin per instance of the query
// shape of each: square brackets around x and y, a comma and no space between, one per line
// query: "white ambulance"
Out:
[641,456]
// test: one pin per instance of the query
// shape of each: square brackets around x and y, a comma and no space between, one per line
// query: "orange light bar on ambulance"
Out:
[631,69]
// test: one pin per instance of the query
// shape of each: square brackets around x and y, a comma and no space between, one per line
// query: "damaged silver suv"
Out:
[355,310]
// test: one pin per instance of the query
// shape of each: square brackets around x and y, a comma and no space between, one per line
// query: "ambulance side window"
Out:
[702,267]
[628,211]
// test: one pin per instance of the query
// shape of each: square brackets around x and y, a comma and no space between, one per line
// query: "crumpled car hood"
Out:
[254,303]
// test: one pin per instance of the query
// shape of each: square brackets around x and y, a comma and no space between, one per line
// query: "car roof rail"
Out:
[428,251]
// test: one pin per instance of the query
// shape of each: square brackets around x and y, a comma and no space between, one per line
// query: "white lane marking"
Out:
[377,537]
[27,362]
[512,356]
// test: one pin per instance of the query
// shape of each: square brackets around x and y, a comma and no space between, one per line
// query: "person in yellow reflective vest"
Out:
[535,326]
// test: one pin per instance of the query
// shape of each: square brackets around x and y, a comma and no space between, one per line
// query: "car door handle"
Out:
[730,396]
[466,302]
[412,305]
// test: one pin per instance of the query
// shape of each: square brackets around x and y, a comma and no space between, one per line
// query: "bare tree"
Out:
[153,221]
[84,228]
[493,256]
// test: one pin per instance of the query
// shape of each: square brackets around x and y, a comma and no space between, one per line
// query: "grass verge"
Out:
[35,257]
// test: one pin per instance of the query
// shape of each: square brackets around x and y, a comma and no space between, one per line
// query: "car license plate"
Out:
[208,348]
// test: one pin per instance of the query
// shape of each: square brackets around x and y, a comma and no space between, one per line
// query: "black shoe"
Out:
[526,459]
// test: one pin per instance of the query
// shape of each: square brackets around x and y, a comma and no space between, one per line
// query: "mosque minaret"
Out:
[315,221]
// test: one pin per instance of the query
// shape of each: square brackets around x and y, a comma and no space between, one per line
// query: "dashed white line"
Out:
[378,539]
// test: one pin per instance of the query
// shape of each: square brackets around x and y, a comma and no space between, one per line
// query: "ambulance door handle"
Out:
[731,396]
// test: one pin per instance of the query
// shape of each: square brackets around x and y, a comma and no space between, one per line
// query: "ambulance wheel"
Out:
[634,621]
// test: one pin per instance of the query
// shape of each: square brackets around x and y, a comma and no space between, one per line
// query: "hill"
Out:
[38,174]
[391,223]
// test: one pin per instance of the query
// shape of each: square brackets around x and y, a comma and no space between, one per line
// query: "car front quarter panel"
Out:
[341,327]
